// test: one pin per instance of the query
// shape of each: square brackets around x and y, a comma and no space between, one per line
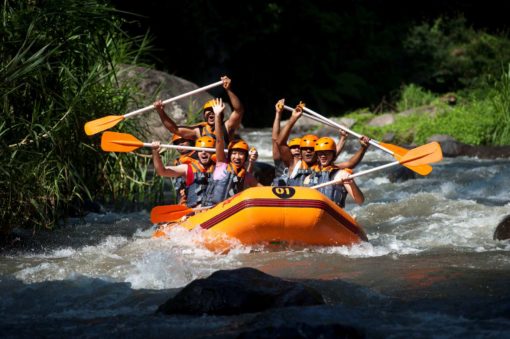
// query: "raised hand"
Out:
[156,146]
[218,106]
[364,141]
[227,82]
[279,106]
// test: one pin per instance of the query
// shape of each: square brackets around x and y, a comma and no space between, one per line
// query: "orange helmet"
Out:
[308,140]
[294,142]
[208,104]
[205,141]
[176,137]
[238,144]
[325,144]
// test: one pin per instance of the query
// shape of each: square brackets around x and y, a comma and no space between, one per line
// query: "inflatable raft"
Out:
[262,215]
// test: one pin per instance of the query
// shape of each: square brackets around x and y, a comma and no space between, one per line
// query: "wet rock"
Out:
[502,231]
[400,174]
[243,290]
[449,146]
[453,148]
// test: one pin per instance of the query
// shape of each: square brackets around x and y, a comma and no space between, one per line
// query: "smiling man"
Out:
[207,127]
[195,173]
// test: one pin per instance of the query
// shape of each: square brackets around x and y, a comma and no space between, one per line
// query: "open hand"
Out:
[218,106]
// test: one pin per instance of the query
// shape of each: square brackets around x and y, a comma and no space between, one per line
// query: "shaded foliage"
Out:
[335,56]
[58,63]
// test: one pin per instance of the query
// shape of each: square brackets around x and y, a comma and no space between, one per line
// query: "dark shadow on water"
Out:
[94,307]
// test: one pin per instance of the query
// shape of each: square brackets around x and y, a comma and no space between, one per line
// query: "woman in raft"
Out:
[229,176]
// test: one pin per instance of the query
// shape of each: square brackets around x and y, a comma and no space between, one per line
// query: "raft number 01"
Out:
[284,192]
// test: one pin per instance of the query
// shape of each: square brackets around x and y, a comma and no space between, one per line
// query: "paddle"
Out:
[169,213]
[124,142]
[104,123]
[396,151]
[418,156]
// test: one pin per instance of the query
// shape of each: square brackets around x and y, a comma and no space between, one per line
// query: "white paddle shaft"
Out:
[357,174]
[198,90]
[191,148]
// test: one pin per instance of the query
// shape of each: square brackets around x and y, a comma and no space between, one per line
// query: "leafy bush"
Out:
[475,120]
[448,55]
[413,96]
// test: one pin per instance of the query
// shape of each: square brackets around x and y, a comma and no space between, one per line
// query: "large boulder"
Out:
[153,85]
[243,290]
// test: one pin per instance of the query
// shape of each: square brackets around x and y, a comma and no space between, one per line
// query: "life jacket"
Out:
[219,190]
[206,130]
[336,193]
[281,180]
[300,174]
[195,191]
[180,182]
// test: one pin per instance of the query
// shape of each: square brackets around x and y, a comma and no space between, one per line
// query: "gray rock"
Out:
[243,290]
[382,120]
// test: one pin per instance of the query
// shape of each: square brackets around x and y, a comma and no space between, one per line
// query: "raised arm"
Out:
[170,171]
[341,142]
[235,119]
[358,156]
[253,155]
[276,128]
[218,108]
[285,154]
[185,132]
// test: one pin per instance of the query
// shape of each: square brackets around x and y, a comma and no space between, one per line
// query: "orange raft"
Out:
[261,215]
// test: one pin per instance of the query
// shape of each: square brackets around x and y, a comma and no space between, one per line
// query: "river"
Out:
[430,269]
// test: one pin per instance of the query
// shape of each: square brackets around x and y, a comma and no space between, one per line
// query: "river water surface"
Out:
[430,269]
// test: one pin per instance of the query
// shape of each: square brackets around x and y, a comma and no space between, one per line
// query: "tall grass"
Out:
[501,105]
[58,64]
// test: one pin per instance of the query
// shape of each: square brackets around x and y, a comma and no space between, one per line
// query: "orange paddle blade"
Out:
[399,152]
[422,155]
[394,148]
[101,124]
[169,213]
[119,142]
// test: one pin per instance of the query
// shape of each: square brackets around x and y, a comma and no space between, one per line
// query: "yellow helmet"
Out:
[238,144]
[325,144]
[294,142]
[208,104]
[308,140]
[205,141]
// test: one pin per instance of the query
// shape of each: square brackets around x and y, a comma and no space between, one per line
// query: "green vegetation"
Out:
[58,65]
[479,116]
[449,56]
